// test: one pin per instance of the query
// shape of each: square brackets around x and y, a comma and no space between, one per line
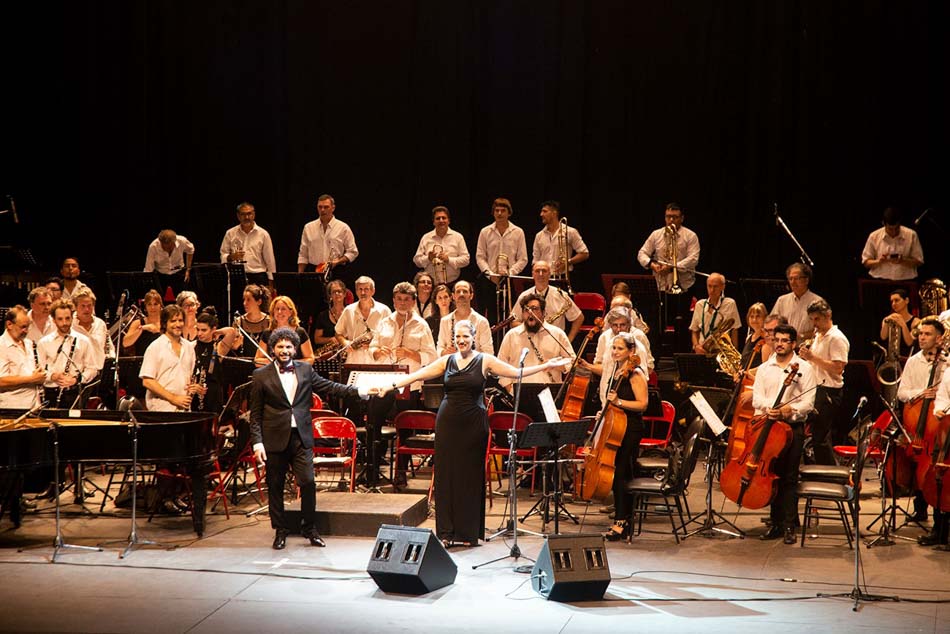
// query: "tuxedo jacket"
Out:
[271,411]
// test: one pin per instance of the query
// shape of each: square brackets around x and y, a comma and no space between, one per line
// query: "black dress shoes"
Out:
[774,532]
[280,540]
[930,539]
[316,540]
[789,536]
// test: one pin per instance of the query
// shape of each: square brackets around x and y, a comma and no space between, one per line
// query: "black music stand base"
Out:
[888,515]
[553,436]
[711,518]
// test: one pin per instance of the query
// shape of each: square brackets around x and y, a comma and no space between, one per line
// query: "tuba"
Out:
[672,256]
[889,372]
[719,343]
[933,297]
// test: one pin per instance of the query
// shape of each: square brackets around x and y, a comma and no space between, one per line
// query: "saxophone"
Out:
[719,343]
[553,318]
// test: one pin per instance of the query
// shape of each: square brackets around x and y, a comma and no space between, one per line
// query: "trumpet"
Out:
[326,268]
[438,265]
[563,257]
[672,256]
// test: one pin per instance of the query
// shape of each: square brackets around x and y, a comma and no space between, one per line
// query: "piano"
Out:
[185,438]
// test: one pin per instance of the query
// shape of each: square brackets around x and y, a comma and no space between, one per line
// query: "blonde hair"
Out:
[293,322]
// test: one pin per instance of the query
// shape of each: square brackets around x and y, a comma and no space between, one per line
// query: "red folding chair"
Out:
[342,457]
[499,423]
[593,305]
[660,428]
[415,436]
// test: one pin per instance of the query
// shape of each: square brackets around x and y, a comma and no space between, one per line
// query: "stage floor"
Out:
[232,581]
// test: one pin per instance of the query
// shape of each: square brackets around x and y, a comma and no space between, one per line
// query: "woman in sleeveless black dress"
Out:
[461,434]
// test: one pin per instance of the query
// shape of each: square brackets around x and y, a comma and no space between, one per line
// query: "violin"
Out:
[748,479]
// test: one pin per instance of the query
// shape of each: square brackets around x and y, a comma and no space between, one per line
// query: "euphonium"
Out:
[672,256]
[889,372]
[719,342]
[933,297]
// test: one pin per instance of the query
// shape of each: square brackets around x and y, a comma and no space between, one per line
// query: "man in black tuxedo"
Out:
[281,431]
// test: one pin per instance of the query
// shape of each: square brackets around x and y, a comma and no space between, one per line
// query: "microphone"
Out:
[122,298]
[524,355]
[775,213]
[861,405]
[916,222]
[16,219]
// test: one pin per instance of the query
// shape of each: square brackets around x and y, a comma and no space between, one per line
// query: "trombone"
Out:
[438,266]
[563,257]
[671,253]
[503,289]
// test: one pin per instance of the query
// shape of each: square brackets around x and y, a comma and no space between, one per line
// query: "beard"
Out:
[532,326]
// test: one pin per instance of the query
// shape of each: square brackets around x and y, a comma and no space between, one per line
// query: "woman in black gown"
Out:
[628,391]
[461,434]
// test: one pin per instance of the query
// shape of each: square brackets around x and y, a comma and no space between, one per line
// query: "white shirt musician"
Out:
[559,308]
[463,310]
[543,341]
[656,253]
[403,337]
[326,240]
[168,366]
[709,314]
[915,377]
[442,252]
[86,322]
[41,322]
[547,242]
[358,322]
[892,252]
[793,306]
[21,374]
[501,246]
[169,253]
[66,355]
[249,243]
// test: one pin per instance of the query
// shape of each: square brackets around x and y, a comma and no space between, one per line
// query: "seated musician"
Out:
[710,313]
[793,306]
[619,319]
[168,366]
[442,306]
[543,341]
[559,307]
[147,328]
[621,291]
[324,328]
[463,311]
[638,328]
[190,304]
[756,348]
[68,358]
[796,403]
[358,321]
[283,314]
[902,319]
[941,526]
[253,322]
[915,384]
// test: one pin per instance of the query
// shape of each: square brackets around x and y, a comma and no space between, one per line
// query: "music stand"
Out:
[700,370]
[136,282]
[552,436]
[432,394]
[369,376]
[213,282]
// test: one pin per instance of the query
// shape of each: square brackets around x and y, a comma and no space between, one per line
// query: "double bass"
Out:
[575,387]
[748,478]
[600,457]
[933,481]
[921,426]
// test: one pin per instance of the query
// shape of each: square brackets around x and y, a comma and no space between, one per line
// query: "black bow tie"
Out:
[286,368]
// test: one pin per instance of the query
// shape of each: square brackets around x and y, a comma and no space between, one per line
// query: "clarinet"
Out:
[59,394]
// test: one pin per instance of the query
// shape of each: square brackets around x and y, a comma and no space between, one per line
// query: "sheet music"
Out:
[702,405]
[551,414]
[363,378]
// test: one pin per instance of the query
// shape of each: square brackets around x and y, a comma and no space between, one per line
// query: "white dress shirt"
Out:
[257,246]
[555,300]
[795,310]
[915,376]
[830,346]
[35,333]
[881,245]
[17,361]
[942,400]
[167,263]
[453,245]
[768,381]
[98,334]
[687,257]
[55,351]
[414,335]
[68,294]
[483,341]
[319,244]
[707,318]
[351,325]
[546,243]
[172,371]
[544,345]
[491,243]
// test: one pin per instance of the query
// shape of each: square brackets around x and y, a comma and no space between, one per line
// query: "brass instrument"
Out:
[889,371]
[563,256]
[366,337]
[719,343]
[326,350]
[503,290]
[553,318]
[672,256]
[933,297]
[116,329]
[326,268]
[438,265]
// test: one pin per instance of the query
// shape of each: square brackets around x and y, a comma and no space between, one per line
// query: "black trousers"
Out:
[784,508]
[827,406]
[625,465]
[300,459]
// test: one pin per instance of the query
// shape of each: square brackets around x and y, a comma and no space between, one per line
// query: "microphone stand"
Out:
[781,223]
[118,350]
[511,527]
[244,334]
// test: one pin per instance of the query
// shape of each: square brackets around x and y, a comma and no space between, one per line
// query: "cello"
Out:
[601,455]
[933,481]
[921,426]
[748,478]
[575,387]
[741,409]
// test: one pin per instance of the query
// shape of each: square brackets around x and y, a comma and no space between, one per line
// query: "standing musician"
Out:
[626,390]
[559,307]
[915,383]
[326,241]
[799,399]
[547,243]
[212,344]
[442,252]
[501,251]
[828,355]
[358,322]
[710,313]
[21,373]
[793,306]
[463,311]
[281,431]
[55,286]
[544,341]
[71,284]
[892,252]
[67,357]
[901,318]
[41,322]
[941,527]
[170,255]
[168,366]
[250,244]
[87,323]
